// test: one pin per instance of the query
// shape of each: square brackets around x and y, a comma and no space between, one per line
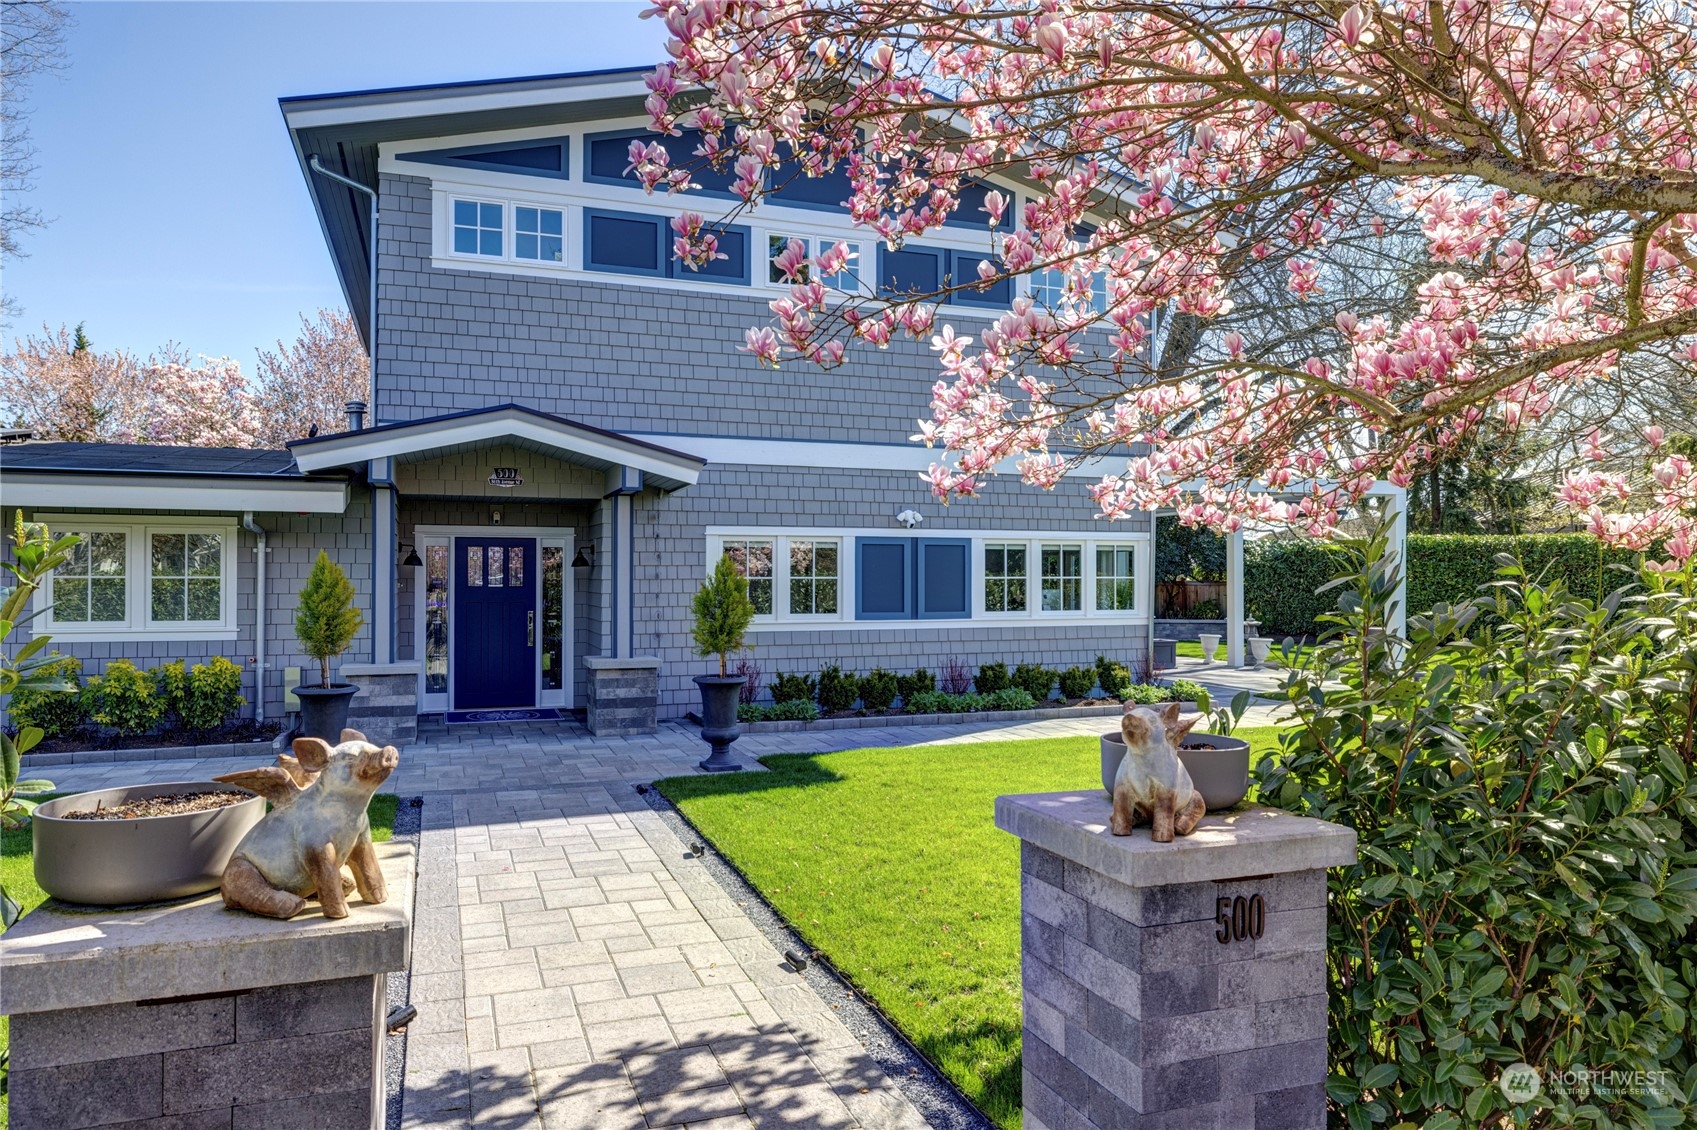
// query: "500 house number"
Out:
[1240,919]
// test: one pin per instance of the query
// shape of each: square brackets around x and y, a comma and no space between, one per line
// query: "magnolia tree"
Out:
[311,381]
[1165,153]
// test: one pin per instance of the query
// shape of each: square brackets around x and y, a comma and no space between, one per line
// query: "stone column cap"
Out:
[1247,843]
[622,662]
[59,956]
[399,667]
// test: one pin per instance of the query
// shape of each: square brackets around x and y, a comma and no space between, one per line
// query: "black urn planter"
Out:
[719,726]
[324,710]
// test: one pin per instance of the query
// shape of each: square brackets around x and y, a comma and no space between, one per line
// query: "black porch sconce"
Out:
[411,560]
[579,561]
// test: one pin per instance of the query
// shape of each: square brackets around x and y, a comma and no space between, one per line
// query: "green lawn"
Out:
[17,872]
[889,862]
[1192,649]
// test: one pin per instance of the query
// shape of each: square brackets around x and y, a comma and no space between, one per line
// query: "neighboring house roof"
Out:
[139,476]
[345,129]
[556,436]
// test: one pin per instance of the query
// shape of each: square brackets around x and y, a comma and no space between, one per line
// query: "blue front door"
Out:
[494,622]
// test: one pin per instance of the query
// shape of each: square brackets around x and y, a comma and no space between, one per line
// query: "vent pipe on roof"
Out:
[356,415]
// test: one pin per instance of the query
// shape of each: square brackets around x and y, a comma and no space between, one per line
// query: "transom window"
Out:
[1004,577]
[813,578]
[89,588]
[478,228]
[1116,578]
[539,233]
[1063,578]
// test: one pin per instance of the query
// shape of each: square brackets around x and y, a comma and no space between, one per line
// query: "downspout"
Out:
[260,664]
[371,322]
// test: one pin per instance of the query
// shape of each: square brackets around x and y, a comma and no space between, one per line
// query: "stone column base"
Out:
[624,695]
[386,707]
[188,1015]
[1172,985]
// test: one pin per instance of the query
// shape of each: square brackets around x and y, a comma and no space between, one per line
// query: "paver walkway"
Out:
[576,969]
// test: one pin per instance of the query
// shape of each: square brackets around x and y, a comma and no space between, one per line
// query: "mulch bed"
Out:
[166,804]
[243,731]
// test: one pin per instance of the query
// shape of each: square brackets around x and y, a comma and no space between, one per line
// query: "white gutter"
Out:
[260,664]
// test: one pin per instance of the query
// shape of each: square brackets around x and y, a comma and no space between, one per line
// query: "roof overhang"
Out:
[557,436]
[141,490]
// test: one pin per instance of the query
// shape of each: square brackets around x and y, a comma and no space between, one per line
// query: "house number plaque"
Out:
[506,477]
[1240,919]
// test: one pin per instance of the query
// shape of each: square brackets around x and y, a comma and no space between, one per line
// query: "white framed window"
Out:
[1063,577]
[164,581]
[1049,287]
[479,227]
[1116,578]
[539,233]
[1006,576]
[846,280]
[789,577]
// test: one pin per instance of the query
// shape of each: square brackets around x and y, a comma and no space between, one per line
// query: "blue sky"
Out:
[177,212]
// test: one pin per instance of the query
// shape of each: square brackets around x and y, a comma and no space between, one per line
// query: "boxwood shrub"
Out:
[991,678]
[878,689]
[794,688]
[917,683]
[838,689]
[1035,680]
[1076,682]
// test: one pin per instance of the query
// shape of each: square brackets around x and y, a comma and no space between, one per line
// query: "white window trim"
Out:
[979,619]
[816,245]
[780,540]
[138,620]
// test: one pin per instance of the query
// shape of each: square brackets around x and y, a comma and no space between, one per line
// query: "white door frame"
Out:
[542,537]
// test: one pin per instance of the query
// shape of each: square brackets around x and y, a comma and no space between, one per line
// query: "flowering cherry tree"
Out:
[1160,153]
[309,382]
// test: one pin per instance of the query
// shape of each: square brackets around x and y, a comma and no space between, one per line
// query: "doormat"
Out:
[524,714]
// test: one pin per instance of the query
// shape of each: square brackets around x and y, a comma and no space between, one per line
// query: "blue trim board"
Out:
[536,157]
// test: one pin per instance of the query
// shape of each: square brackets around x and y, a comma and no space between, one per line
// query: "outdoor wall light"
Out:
[411,560]
[910,518]
[579,561]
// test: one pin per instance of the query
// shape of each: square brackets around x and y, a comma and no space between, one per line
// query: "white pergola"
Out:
[1397,504]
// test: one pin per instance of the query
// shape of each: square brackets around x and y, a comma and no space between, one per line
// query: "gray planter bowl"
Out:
[149,859]
[1218,766]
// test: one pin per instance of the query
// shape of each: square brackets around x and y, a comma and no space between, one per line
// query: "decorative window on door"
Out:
[436,619]
[474,566]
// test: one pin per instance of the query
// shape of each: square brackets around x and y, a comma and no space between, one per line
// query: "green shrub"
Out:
[794,688]
[1144,694]
[1113,675]
[1076,682]
[941,702]
[917,683]
[837,689]
[991,678]
[795,710]
[1522,785]
[214,695]
[1206,610]
[326,620]
[1035,680]
[1281,577]
[1009,698]
[54,712]
[123,698]
[878,689]
[171,688]
[1187,690]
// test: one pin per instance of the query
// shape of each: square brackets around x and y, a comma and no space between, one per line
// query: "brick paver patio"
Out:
[575,969]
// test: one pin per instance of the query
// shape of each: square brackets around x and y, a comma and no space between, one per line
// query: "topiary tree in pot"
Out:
[723,613]
[326,622]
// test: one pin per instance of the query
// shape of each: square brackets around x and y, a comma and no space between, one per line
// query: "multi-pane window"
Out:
[1049,287]
[813,577]
[753,558]
[1004,577]
[478,228]
[1063,578]
[1116,578]
[186,571]
[89,588]
[539,233]
[847,279]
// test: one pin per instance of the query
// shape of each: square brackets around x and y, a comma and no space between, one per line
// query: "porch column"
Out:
[622,483]
[383,582]
[1234,599]
[1397,499]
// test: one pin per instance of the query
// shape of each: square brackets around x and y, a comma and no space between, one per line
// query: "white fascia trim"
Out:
[167,494]
[1099,533]
[498,428]
[976,623]
[824,455]
[463,104]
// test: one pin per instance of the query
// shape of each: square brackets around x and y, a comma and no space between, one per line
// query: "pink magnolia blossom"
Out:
[1549,175]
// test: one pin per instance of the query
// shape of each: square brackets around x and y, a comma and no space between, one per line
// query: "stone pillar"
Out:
[624,695]
[386,707]
[1173,985]
[190,1015]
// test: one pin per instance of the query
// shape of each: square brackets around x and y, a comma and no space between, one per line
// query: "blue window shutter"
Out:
[882,574]
[624,242]
[913,269]
[734,244]
[944,582]
[607,154]
[963,269]
[969,212]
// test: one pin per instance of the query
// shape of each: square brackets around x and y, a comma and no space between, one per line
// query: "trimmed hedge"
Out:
[1281,575]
